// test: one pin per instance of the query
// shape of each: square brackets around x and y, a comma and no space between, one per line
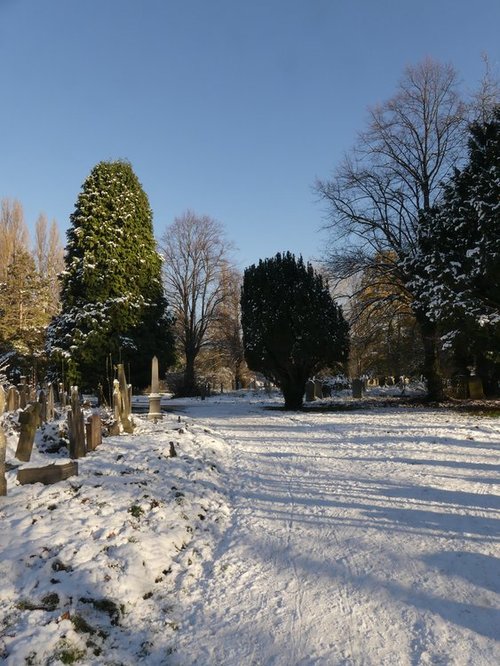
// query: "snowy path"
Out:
[357,538]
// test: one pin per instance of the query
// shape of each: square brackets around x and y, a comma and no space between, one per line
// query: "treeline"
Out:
[414,224]
[29,286]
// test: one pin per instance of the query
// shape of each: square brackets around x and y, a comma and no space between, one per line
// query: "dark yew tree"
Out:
[457,271]
[113,304]
[292,328]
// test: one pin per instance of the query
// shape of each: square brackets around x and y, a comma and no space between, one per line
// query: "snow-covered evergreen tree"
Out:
[292,328]
[113,304]
[457,274]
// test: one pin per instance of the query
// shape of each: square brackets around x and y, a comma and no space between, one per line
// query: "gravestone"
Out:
[318,389]
[50,402]
[3,446]
[125,400]
[29,420]
[154,396]
[94,432]
[48,474]
[63,398]
[3,399]
[42,399]
[310,392]
[476,388]
[23,389]
[357,388]
[12,399]
[76,428]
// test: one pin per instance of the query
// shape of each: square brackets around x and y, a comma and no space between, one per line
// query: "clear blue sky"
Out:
[231,108]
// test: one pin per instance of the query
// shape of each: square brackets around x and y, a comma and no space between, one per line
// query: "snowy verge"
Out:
[91,566]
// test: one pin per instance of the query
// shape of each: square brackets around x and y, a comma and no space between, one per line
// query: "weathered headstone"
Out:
[76,428]
[23,389]
[50,402]
[476,388]
[47,474]
[125,400]
[3,446]
[63,398]
[94,432]
[12,399]
[29,420]
[42,399]
[310,393]
[357,388]
[318,389]
[3,399]
[154,396]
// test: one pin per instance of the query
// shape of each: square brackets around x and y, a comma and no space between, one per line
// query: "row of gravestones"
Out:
[83,436]
[316,390]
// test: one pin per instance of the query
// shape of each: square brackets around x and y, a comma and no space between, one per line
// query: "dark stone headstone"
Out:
[357,388]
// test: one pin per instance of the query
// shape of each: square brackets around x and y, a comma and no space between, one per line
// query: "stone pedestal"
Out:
[155,406]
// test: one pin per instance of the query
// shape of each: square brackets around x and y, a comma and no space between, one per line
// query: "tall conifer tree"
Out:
[113,304]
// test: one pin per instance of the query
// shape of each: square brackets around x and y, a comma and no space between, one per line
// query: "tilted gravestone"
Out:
[3,446]
[12,399]
[29,420]
[76,428]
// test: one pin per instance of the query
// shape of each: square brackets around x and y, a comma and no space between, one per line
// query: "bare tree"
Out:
[227,330]
[49,260]
[195,253]
[378,192]
[14,235]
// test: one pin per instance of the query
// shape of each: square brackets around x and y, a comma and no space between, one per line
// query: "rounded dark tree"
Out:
[113,304]
[292,328]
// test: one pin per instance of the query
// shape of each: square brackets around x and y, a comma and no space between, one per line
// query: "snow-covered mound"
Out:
[91,566]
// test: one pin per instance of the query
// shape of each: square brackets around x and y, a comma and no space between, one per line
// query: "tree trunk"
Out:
[432,369]
[293,392]
[189,388]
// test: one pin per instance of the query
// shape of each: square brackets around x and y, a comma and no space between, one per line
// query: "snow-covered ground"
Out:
[273,538]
